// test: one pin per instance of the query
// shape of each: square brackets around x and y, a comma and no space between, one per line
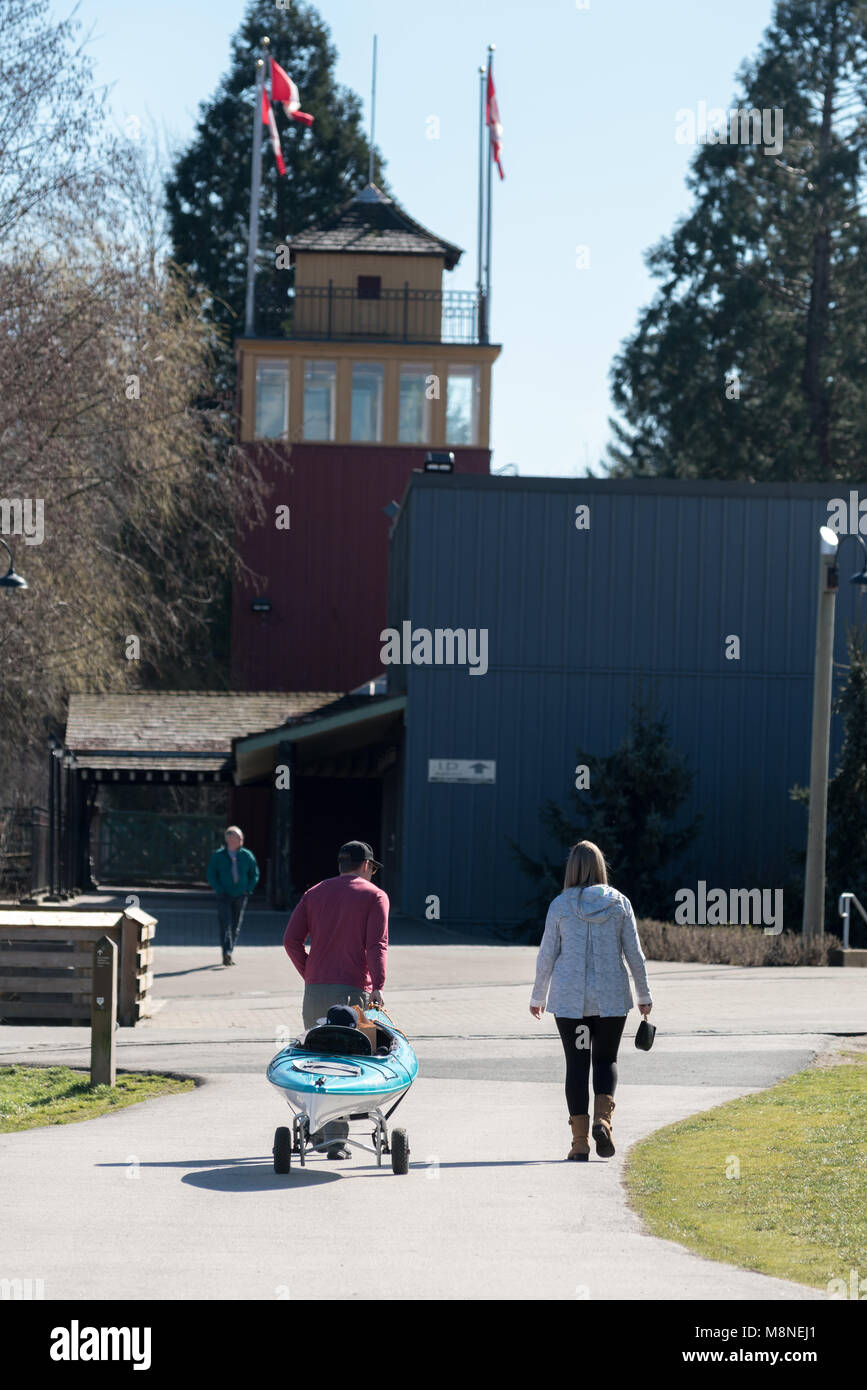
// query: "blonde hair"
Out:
[234,830]
[585,865]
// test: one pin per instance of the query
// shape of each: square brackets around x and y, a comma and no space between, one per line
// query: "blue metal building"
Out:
[650,586]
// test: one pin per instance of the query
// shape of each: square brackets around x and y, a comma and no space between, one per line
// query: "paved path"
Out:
[177,1198]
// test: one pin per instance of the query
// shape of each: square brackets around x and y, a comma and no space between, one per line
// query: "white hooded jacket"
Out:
[598,923]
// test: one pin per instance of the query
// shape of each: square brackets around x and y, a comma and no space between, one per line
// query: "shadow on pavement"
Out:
[258,1178]
[479,1163]
[262,1178]
[239,1174]
[257,1174]
[194,970]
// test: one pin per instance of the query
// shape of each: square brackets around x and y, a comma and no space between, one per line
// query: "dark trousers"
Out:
[230,915]
[602,1041]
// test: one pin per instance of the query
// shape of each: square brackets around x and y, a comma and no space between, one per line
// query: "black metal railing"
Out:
[338,312]
[24,851]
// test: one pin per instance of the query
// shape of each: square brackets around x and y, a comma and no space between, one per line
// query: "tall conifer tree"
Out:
[751,361]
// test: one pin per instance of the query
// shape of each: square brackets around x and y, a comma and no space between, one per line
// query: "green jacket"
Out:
[220,872]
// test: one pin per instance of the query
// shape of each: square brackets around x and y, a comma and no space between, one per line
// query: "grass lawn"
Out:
[774,1182]
[33,1096]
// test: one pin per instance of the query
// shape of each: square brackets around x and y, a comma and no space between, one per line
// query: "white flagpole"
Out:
[490,169]
[255,187]
[480,278]
[372,114]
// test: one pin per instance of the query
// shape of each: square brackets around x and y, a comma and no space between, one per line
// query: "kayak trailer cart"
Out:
[297,1141]
[334,1072]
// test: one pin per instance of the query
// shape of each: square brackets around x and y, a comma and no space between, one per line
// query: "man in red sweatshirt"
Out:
[346,919]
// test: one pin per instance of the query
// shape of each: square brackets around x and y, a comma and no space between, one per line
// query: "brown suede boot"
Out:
[603,1107]
[580,1146]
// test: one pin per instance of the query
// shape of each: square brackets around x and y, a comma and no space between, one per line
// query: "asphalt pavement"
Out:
[176,1198]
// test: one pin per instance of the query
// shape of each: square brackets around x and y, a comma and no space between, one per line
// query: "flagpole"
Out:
[255,187]
[482,317]
[490,170]
[372,114]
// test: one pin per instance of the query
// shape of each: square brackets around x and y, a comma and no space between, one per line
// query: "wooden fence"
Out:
[46,963]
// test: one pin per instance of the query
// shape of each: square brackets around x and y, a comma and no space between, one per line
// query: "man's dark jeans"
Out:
[230,915]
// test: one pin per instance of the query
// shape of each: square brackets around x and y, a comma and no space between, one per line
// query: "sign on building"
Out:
[461,770]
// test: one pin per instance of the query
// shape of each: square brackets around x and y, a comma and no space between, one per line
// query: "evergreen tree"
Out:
[750,362]
[208,192]
[628,809]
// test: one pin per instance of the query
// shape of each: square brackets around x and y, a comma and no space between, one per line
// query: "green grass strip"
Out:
[34,1096]
[774,1182]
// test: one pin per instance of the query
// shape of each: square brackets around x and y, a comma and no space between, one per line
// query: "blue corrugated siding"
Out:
[576,619]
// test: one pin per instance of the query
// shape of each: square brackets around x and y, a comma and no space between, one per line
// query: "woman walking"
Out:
[589,930]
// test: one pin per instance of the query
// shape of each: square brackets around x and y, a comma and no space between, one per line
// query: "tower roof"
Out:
[372,222]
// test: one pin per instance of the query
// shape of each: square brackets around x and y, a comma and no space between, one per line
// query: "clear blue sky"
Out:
[587,100]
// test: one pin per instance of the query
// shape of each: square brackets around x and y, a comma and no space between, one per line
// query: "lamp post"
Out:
[814,875]
[11,580]
[55,756]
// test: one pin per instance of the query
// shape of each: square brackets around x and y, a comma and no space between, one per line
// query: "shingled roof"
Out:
[332,704]
[178,729]
[373,222]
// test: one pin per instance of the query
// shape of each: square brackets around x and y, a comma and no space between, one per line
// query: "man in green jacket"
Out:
[233,874]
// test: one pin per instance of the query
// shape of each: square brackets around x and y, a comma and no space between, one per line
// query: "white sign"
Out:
[461,770]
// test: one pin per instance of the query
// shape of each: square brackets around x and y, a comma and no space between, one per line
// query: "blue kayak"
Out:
[333,1073]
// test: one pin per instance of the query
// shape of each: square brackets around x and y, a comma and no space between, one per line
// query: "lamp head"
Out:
[11,580]
[829,540]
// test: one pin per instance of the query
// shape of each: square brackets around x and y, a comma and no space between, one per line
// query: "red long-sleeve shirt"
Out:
[346,919]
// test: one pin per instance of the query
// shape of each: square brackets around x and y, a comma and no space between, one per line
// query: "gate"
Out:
[151,847]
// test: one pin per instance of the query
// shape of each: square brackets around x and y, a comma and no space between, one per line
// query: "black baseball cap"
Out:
[356,851]
[342,1016]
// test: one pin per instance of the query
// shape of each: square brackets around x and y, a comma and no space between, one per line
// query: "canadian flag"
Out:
[283,89]
[492,119]
[269,121]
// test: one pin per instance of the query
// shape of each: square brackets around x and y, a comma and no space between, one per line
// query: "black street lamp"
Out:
[11,580]
[834,572]
[813,925]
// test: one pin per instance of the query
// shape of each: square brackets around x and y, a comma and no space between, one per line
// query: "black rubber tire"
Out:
[282,1150]
[399,1151]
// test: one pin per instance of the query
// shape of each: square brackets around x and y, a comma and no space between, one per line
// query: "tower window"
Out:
[369,286]
[272,400]
[320,391]
[462,405]
[414,424]
[367,380]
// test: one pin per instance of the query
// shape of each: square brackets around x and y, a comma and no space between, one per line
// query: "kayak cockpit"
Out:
[331,1038]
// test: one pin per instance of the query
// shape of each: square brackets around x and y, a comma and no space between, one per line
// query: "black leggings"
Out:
[603,1036]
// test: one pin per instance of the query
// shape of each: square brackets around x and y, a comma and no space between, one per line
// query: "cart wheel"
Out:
[399,1151]
[282,1150]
